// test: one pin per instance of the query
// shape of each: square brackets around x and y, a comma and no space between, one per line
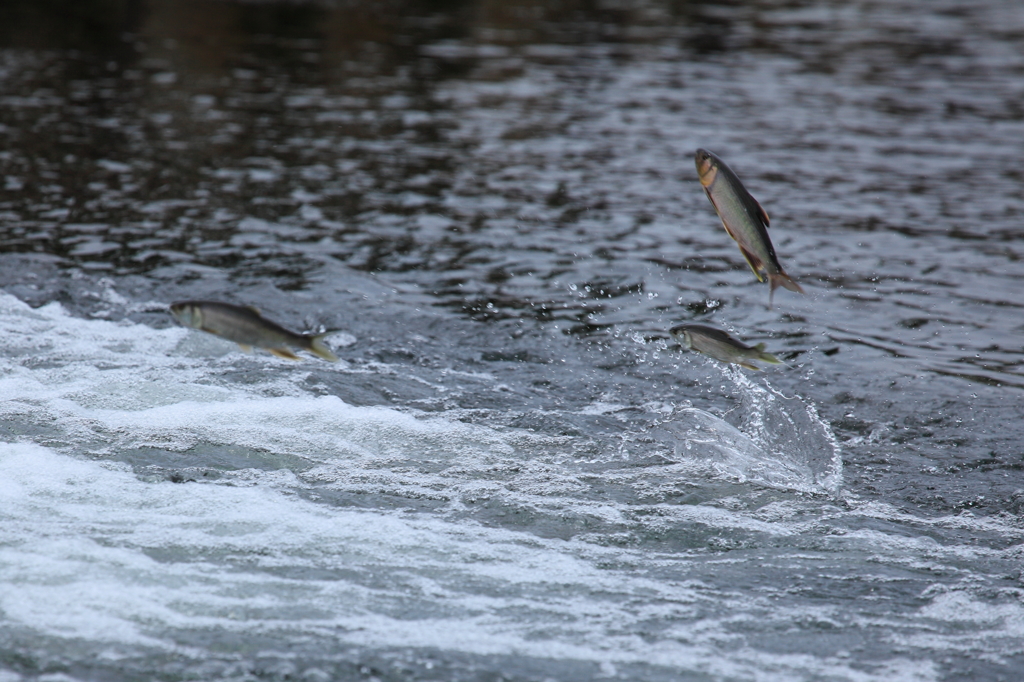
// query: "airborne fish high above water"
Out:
[717,344]
[744,220]
[247,327]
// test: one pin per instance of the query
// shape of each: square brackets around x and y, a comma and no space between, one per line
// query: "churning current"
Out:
[513,471]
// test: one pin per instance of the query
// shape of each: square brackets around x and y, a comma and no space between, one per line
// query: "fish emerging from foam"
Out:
[744,220]
[247,327]
[717,344]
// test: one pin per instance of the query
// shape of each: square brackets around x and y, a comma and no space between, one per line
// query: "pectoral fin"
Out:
[730,232]
[284,353]
[749,365]
[245,347]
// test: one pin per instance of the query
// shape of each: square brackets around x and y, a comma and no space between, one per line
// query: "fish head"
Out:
[707,166]
[682,335]
[187,314]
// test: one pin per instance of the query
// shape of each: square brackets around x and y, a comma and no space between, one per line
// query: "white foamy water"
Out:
[172,506]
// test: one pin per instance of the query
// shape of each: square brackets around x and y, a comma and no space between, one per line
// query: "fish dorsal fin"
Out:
[763,214]
[759,347]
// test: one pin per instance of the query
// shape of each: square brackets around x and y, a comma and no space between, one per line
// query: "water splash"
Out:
[790,431]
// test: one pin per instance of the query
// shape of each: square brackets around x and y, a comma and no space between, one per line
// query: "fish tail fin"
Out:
[764,356]
[781,279]
[320,349]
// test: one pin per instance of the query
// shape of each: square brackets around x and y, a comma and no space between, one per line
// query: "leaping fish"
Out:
[744,220]
[717,344]
[247,327]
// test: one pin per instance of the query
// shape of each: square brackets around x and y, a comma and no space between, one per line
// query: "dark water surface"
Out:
[514,473]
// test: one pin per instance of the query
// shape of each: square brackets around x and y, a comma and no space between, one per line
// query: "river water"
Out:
[513,472]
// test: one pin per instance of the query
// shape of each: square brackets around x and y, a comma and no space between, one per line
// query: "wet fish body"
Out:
[719,345]
[744,219]
[248,328]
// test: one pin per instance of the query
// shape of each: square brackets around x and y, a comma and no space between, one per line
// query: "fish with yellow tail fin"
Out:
[744,220]
[247,327]
[717,344]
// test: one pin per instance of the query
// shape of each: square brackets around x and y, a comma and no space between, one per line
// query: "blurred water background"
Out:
[513,473]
